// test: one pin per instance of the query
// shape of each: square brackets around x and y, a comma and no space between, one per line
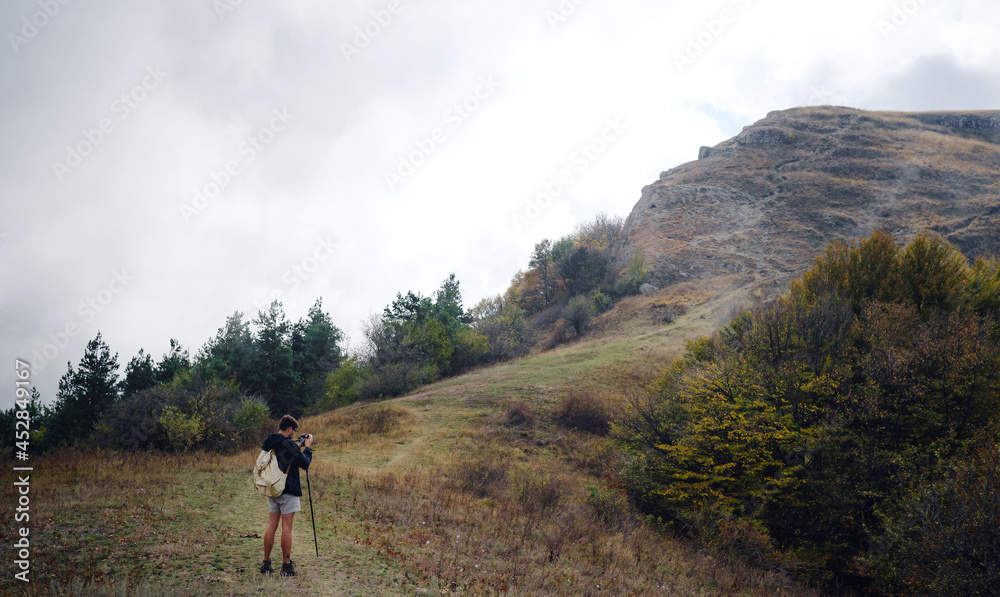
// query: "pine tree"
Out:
[316,351]
[541,262]
[230,355]
[274,375]
[177,361]
[85,394]
[140,374]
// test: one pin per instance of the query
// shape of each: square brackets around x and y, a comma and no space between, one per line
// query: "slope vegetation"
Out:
[441,490]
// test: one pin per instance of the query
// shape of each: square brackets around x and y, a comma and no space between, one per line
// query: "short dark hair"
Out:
[288,422]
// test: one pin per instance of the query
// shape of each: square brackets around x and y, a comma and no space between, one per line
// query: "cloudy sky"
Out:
[166,163]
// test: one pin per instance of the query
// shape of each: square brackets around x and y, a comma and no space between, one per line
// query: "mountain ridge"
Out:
[764,203]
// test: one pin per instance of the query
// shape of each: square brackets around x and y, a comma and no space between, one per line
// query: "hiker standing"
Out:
[291,459]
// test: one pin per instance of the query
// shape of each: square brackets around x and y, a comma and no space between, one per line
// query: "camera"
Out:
[302,439]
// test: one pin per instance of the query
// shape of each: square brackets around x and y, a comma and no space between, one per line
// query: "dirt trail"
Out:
[407,450]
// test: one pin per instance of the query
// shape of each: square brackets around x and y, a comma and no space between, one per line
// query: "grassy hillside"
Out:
[448,489]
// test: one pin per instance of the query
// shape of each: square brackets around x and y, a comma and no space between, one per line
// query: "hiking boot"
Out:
[288,569]
[266,568]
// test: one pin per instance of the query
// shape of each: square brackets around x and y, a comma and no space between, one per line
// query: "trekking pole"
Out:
[311,515]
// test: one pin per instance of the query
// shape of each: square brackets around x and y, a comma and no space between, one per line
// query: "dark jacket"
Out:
[288,453]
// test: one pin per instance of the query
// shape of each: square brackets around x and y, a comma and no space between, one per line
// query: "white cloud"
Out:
[325,175]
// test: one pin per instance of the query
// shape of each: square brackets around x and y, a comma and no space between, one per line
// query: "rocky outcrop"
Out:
[961,121]
[765,135]
[763,204]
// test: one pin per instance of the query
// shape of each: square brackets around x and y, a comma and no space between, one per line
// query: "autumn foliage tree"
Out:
[811,418]
[590,259]
[942,539]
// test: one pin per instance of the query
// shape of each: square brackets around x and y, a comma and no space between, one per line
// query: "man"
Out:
[284,507]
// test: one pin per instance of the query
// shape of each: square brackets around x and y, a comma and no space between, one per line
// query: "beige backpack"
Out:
[268,480]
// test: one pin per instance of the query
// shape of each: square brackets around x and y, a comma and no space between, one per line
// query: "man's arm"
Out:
[299,458]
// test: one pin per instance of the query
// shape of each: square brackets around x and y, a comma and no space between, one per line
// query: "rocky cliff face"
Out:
[766,202]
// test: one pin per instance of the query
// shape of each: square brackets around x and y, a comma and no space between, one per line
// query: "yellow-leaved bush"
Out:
[805,423]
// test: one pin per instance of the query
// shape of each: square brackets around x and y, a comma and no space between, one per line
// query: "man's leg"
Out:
[286,537]
[272,526]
